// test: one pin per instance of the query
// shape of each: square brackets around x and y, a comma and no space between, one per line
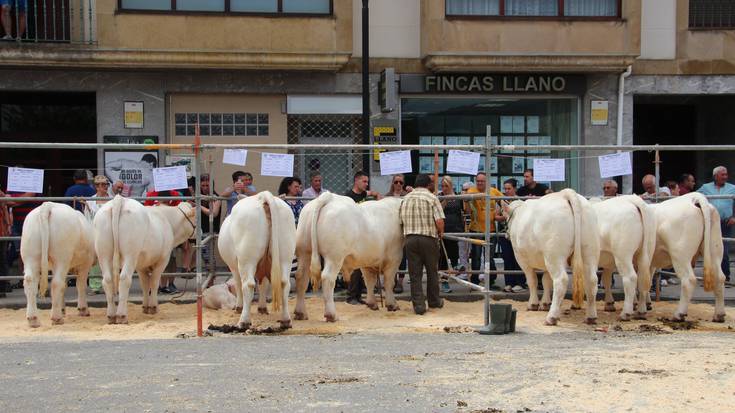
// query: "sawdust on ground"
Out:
[180,319]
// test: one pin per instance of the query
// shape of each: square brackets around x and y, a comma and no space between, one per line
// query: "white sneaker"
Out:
[673,281]
[518,289]
[664,283]
[7,37]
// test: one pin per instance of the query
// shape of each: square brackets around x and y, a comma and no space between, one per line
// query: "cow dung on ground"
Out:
[456,317]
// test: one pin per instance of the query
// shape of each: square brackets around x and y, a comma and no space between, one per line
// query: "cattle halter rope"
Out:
[193,227]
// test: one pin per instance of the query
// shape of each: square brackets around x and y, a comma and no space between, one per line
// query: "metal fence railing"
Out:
[52,21]
[350,151]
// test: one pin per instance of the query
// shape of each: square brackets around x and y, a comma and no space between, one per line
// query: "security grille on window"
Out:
[711,14]
[539,8]
[222,124]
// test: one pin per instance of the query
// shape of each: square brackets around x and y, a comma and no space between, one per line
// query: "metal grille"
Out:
[335,166]
[712,14]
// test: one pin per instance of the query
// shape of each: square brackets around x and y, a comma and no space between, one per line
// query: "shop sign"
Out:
[493,84]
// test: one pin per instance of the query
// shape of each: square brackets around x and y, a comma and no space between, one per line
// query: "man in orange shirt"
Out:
[476,208]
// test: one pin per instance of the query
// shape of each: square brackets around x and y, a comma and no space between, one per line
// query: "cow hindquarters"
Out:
[247,273]
[58,285]
[30,287]
[82,275]
[302,283]
[630,282]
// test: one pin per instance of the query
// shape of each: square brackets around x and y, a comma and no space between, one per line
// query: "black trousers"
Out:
[453,253]
[422,253]
[356,284]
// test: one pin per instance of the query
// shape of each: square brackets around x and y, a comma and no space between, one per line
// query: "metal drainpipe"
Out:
[621,103]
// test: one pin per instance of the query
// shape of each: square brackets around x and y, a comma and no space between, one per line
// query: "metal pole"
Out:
[436,171]
[488,235]
[198,232]
[657,277]
[366,82]
[212,255]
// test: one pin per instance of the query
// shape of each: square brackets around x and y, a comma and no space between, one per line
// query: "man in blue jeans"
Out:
[720,186]
[7,21]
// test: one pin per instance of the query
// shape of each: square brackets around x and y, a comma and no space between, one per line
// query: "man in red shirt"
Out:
[151,194]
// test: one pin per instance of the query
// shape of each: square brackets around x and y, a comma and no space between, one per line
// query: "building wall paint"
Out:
[147,31]
[658,31]
[395,28]
[440,34]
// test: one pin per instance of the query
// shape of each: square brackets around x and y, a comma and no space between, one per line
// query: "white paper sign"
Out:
[276,164]
[235,157]
[616,164]
[169,178]
[396,162]
[25,180]
[549,170]
[463,162]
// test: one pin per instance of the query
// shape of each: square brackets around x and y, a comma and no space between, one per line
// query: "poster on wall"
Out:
[133,115]
[518,165]
[133,168]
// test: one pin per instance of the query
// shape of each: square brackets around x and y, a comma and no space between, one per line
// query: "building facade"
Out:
[278,71]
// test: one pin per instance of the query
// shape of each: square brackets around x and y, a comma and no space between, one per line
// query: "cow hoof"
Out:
[111,319]
[83,312]
[285,324]
[718,318]
[330,318]
[372,306]
[262,310]
[610,307]
[300,316]
[153,309]
[145,310]
[590,321]
[533,307]
[639,316]
[392,307]
[33,322]
[244,325]
[57,321]
[121,319]
[649,306]
[575,307]
[551,321]
[624,317]
[679,317]
[545,306]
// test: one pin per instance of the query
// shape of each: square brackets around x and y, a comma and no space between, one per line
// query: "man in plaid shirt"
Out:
[422,218]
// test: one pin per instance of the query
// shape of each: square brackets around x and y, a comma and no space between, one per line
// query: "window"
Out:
[711,14]
[535,8]
[293,7]
[222,124]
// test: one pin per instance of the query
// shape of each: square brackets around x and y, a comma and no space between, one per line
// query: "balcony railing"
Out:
[51,21]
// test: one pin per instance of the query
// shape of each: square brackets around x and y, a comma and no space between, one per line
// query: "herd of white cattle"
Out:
[259,240]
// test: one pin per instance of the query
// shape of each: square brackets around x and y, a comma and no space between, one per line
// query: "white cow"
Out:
[130,237]
[226,248]
[257,241]
[627,241]
[546,234]
[221,296]
[686,227]
[59,237]
[348,236]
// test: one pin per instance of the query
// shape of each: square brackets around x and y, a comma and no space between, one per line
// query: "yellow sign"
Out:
[599,112]
[383,135]
[133,115]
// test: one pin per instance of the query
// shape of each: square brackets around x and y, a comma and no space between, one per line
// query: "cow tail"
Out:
[44,229]
[275,275]
[316,266]
[710,269]
[648,220]
[578,278]
[117,204]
